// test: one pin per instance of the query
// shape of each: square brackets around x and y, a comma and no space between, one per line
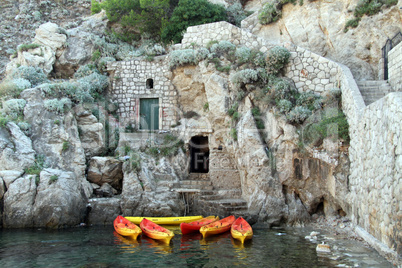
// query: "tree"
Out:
[190,13]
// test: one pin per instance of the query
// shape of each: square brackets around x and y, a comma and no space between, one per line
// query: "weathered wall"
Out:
[129,85]
[376,171]
[395,67]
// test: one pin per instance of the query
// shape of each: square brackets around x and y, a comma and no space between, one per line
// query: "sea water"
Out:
[103,247]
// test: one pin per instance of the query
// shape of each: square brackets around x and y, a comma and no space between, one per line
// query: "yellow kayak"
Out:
[165,220]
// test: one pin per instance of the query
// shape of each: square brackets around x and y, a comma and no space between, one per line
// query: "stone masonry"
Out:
[129,85]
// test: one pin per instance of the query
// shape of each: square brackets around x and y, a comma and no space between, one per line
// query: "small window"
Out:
[150,83]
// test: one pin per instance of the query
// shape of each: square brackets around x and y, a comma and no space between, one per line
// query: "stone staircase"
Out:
[373,90]
[210,201]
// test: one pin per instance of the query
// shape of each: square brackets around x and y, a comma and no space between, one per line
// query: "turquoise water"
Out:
[102,247]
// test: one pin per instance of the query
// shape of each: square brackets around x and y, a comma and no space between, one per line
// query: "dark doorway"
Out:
[199,152]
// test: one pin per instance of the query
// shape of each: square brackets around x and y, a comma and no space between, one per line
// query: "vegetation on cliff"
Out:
[163,20]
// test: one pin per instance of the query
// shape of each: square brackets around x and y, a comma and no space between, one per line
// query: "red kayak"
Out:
[217,227]
[241,230]
[126,228]
[192,227]
[156,231]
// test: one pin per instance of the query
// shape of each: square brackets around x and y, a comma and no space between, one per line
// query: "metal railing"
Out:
[389,45]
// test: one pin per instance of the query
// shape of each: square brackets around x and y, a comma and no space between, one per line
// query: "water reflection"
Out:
[214,239]
[127,243]
[158,246]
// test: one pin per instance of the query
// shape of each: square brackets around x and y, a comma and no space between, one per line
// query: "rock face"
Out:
[81,47]
[60,200]
[319,27]
[92,133]
[55,136]
[18,203]
[20,19]
[16,152]
[106,170]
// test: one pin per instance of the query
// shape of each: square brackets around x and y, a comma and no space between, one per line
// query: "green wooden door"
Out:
[149,114]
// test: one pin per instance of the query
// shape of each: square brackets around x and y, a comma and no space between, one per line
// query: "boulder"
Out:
[132,191]
[49,34]
[16,152]
[60,200]
[103,211]
[18,202]
[92,133]
[42,57]
[105,170]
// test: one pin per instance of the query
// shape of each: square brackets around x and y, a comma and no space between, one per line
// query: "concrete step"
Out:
[198,187]
[198,176]
[188,182]
[373,90]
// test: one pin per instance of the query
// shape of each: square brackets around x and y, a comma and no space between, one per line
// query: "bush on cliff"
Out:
[190,13]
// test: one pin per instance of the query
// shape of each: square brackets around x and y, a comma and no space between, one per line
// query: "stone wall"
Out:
[308,70]
[129,85]
[395,67]
[376,171]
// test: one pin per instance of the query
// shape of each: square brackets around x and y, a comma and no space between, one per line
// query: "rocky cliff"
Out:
[319,27]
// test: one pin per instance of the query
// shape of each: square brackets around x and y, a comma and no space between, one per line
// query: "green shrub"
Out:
[183,57]
[236,14]
[96,55]
[233,133]
[245,76]
[206,107]
[334,126]
[34,75]
[367,7]
[236,116]
[269,13]
[243,55]
[277,59]
[14,108]
[3,121]
[53,178]
[95,7]
[37,166]
[66,146]
[14,87]
[190,13]
[26,47]
[285,106]
[298,115]
[170,146]
[309,100]
[223,47]
[352,23]
[85,70]
[57,106]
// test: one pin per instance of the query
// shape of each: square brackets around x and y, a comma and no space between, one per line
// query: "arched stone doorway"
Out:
[199,154]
